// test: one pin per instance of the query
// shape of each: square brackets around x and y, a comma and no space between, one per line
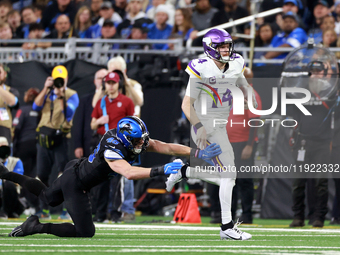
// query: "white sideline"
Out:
[171,246]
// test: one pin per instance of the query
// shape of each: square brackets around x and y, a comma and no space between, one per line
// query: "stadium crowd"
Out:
[142,19]
[161,19]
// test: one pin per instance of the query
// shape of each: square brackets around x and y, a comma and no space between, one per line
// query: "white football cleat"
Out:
[234,233]
[173,178]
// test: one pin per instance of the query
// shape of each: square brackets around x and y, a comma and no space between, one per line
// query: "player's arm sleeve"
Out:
[71,106]
[113,155]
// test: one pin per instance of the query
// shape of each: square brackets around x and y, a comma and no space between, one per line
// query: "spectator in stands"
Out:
[201,19]
[11,205]
[180,3]
[14,21]
[329,38]
[327,23]
[231,11]
[134,14]
[56,9]
[57,104]
[107,12]
[24,145]
[263,38]
[120,7]
[28,17]
[336,15]
[151,13]
[294,6]
[62,31]
[292,36]
[5,8]
[8,101]
[5,32]
[321,10]
[139,31]
[81,3]
[160,29]
[36,31]
[202,15]
[290,6]
[38,10]
[95,8]
[82,22]
[116,106]
[109,31]
[183,26]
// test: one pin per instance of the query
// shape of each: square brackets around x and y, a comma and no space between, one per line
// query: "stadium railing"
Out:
[98,51]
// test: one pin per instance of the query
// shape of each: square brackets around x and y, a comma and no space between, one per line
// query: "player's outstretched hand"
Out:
[173,167]
[210,152]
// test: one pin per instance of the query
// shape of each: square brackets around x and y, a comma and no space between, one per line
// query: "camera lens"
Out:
[58,83]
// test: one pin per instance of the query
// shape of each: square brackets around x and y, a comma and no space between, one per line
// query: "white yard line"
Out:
[170,246]
[290,252]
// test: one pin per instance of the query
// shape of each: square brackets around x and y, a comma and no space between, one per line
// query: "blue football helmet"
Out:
[131,131]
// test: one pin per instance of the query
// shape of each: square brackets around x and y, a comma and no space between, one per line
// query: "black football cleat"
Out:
[29,227]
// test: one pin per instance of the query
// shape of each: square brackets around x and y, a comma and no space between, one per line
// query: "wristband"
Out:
[194,153]
[156,171]
[198,125]
[184,171]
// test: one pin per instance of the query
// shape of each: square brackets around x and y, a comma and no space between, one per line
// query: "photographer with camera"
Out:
[57,104]
[8,101]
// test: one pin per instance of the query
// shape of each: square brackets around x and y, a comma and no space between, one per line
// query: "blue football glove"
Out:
[173,167]
[210,152]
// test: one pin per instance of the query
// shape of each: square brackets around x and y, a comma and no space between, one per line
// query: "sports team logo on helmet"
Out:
[126,128]
[215,38]
[131,131]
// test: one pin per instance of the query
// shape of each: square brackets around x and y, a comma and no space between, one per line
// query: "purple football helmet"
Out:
[215,38]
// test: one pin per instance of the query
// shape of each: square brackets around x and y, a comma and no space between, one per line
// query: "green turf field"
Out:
[149,237]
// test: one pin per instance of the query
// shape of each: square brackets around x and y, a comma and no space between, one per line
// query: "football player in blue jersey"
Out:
[112,158]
